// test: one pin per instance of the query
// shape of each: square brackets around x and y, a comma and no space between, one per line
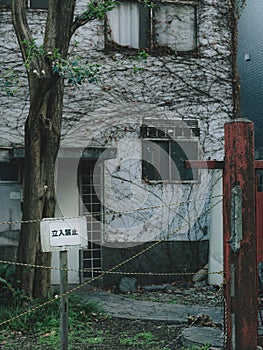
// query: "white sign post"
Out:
[63,257]
[59,235]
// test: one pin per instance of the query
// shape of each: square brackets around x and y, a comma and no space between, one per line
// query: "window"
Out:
[9,172]
[34,4]
[168,25]
[38,4]
[175,27]
[6,2]
[129,24]
[164,153]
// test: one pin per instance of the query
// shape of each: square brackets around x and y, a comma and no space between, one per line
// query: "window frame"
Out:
[166,48]
[162,135]
[111,44]
[29,4]
[36,7]
[7,4]
[153,45]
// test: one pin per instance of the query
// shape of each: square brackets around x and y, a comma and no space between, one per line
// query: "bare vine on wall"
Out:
[201,85]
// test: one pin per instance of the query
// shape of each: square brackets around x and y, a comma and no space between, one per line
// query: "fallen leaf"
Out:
[48,334]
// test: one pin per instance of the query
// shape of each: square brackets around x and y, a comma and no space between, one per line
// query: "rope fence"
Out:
[101,274]
[111,212]
[7,262]
[91,280]
[110,271]
[84,270]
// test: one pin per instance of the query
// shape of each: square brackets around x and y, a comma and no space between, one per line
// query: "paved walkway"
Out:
[124,307]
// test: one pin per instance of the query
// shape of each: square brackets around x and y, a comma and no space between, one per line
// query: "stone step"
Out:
[200,336]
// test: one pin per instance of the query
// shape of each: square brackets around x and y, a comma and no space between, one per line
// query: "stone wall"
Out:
[172,257]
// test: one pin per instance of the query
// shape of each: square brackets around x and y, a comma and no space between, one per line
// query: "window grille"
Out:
[90,189]
[164,151]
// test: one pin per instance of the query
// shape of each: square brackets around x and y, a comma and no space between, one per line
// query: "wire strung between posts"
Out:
[7,262]
[109,212]
[159,241]
[84,283]
[85,270]
[78,287]
[164,238]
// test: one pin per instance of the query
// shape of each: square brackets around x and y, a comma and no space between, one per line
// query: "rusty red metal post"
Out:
[240,241]
[240,259]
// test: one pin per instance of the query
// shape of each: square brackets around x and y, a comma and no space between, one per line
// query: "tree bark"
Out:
[41,146]
[42,139]
[42,129]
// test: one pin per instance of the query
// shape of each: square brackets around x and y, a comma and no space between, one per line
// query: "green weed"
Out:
[204,347]
[9,293]
[43,324]
[141,339]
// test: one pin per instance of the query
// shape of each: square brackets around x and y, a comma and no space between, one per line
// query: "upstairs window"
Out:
[129,24]
[166,25]
[38,4]
[164,154]
[6,2]
[34,4]
[175,27]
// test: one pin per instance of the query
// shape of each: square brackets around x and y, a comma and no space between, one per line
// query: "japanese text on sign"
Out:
[63,233]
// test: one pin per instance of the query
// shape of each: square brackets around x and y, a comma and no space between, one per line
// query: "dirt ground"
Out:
[110,334]
[107,333]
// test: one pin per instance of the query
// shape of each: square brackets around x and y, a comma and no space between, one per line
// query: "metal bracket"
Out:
[236,218]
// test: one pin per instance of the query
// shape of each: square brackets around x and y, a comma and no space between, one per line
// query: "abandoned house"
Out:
[162,97]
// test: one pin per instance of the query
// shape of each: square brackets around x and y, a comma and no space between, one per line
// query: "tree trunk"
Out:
[42,138]
[42,129]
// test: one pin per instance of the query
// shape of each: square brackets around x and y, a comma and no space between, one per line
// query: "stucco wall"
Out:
[196,86]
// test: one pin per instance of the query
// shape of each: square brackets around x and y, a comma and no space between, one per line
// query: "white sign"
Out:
[62,233]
